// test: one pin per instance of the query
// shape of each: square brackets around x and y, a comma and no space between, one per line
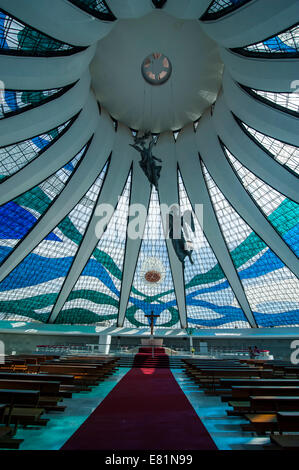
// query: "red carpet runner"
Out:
[146,410]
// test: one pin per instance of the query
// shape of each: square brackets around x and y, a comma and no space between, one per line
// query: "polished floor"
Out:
[225,431]
[63,424]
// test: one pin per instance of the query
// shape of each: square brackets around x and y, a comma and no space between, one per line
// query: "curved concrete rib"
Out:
[168,194]
[59,153]
[252,22]
[130,8]
[60,20]
[140,194]
[252,155]
[189,9]
[260,73]
[228,182]
[46,116]
[82,179]
[42,73]
[114,183]
[256,114]
[191,172]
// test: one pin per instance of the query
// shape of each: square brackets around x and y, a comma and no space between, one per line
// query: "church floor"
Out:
[62,425]
[225,431]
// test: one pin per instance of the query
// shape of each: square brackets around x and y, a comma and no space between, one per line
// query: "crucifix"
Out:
[152,317]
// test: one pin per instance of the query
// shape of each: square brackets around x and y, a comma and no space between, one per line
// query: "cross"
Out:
[152,316]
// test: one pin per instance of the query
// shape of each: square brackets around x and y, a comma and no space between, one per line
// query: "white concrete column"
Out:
[57,155]
[230,185]
[115,180]
[255,113]
[59,19]
[252,22]
[41,119]
[252,155]
[42,73]
[188,9]
[260,73]
[81,180]
[169,194]
[191,172]
[190,342]
[203,348]
[130,8]
[104,344]
[140,194]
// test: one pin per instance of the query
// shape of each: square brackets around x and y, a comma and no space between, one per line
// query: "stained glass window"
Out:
[97,8]
[18,216]
[31,289]
[148,293]
[288,102]
[271,288]
[16,101]
[286,154]
[285,44]
[281,212]
[95,296]
[210,300]
[14,157]
[219,8]
[20,39]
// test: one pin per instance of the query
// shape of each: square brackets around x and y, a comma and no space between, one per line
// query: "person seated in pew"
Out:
[256,351]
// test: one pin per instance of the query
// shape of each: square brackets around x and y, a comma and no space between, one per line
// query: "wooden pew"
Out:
[286,442]
[261,423]
[288,421]
[228,382]
[264,404]
[211,377]
[22,407]
[102,369]
[46,388]
[239,392]
[49,391]
[7,432]
[274,403]
[282,421]
[223,387]
[67,381]
[68,369]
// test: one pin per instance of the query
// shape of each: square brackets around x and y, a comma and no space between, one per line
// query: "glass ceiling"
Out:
[219,8]
[33,287]
[16,101]
[20,39]
[284,43]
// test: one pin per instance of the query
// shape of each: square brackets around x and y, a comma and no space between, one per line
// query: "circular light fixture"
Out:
[156,68]
[152,271]
[152,276]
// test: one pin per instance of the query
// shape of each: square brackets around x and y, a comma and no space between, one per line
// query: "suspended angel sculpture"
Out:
[178,229]
[147,162]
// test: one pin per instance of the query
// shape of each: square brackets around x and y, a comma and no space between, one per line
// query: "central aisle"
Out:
[146,410]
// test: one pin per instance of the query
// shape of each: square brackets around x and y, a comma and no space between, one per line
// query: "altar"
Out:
[156,342]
